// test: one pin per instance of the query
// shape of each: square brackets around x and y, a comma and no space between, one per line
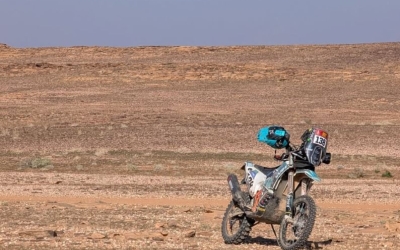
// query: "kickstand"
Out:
[273,229]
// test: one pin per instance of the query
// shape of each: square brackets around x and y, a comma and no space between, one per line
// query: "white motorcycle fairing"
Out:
[254,178]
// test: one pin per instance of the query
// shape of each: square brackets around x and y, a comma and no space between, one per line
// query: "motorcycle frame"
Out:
[299,182]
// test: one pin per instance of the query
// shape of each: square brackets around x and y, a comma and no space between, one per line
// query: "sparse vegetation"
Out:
[357,173]
[79,167]
[308,121]
[387,174]
[131,167]
[37,162]
[205,226]
[159,167]
[230,168]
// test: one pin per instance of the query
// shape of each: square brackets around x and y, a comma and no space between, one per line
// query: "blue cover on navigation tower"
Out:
[274,136]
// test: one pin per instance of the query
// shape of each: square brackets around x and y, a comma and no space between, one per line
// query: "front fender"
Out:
[303,181]
[310,174]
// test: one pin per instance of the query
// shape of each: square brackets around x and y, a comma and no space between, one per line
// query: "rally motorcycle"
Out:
[280,195]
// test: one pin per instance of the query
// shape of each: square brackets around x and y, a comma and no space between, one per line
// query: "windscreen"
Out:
[315,145]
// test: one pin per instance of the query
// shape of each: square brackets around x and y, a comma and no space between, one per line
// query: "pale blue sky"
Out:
[39,23]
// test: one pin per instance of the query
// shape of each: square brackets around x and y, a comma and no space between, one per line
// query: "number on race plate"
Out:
[319,140]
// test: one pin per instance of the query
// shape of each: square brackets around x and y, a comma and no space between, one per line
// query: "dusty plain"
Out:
[129,148]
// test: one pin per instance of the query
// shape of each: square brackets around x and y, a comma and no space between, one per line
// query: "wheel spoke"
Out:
[293,235]
[235,225]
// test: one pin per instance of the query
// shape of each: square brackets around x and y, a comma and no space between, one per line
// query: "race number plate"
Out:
[319,140]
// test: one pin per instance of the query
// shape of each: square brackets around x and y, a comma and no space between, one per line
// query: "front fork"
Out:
[289,199]
[304,188]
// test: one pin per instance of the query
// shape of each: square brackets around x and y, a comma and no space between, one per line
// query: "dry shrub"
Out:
[37,162]
[357,173]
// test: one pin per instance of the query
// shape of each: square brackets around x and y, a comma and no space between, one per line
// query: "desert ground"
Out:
[129,148]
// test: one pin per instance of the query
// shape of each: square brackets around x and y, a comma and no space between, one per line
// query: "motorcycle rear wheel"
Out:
[293,235]
[236,226]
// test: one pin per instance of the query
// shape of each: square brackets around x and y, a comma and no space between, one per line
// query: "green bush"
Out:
[387,174]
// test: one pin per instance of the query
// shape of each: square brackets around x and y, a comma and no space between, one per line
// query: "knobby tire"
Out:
[307,229]
[242,233]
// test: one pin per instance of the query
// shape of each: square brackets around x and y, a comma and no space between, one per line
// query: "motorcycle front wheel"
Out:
[293,234]
[236,226]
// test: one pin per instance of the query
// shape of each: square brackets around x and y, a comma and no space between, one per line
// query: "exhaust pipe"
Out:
[236,191]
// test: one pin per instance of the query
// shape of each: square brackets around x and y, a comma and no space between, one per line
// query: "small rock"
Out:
[393,227]
[59,232]
[158,238]
[173,224]
[159,225]
[164,233]
[204,234]
[208,211]
[190,234]
[96,236]
[389,244]
[132,236]
[192,246]
[39,234]
[118,236]
[52,233]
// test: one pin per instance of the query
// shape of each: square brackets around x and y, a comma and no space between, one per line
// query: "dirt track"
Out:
[129,148]
[52,215]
